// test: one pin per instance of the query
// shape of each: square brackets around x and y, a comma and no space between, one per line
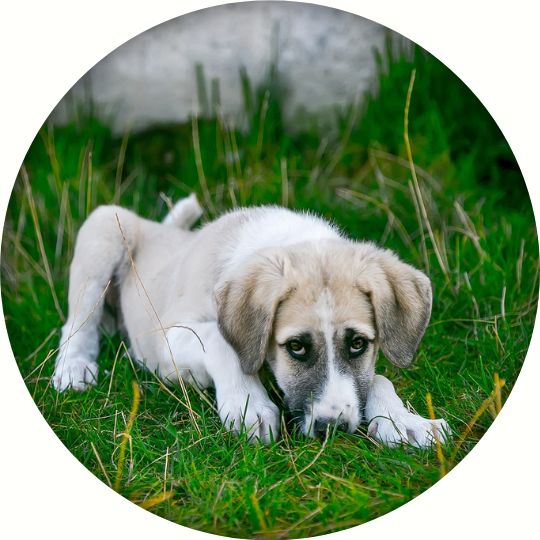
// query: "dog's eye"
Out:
[358,346]
[296,349]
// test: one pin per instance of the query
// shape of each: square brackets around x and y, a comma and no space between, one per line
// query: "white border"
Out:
[47,46]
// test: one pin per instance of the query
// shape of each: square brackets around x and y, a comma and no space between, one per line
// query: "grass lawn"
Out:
[464,217]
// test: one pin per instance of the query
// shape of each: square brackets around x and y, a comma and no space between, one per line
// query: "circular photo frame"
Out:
[270,269]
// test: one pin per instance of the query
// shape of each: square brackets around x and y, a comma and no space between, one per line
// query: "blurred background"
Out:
[325,58]
[285,72]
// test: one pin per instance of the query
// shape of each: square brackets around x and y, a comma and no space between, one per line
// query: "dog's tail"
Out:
[184,213]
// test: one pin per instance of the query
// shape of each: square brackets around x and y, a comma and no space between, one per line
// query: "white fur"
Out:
[273,227]
[392,424]
[199,354]
[339,400]
[184,213]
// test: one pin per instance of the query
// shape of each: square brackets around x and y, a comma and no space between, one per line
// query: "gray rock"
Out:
[324,57]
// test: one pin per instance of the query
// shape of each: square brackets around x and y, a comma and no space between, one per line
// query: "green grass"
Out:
[357,173]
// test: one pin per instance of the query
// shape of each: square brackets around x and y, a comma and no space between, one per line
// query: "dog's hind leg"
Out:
[101,256]
[184,213]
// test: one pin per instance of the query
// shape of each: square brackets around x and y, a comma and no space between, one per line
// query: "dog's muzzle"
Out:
[322,427]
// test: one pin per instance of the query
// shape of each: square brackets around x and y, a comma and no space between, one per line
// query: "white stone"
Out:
[325,57]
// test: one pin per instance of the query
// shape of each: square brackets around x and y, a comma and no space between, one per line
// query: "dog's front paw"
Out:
[75,372]
[408,428]
[252,414]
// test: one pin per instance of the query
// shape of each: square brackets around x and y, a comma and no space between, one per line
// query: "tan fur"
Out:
[247,305]
[369,286]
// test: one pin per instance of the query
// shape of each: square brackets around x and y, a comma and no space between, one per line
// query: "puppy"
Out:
[258,285]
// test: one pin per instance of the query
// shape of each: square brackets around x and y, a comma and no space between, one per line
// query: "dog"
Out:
[257,286]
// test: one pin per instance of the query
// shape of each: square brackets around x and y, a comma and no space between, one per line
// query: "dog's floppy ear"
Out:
[401,298]
[246,306]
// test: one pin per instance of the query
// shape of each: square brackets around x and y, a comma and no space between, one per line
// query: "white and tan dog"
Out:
[257,285]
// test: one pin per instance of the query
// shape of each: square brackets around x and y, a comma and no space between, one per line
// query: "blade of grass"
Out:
[126,435]
[199,165]
[440,454]
[416,185]
[40,243]
[100,463]
[499,384]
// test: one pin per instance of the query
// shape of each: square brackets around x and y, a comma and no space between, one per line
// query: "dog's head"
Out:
[318,313]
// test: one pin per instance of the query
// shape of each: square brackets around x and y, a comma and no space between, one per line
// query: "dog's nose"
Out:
[323,426]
